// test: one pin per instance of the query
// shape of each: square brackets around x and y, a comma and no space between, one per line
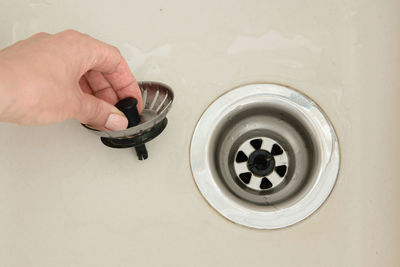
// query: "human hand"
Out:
[48,78]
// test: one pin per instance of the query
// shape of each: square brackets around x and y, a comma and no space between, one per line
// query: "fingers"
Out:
[107,69]
[115,86]
[101,87]
[100,115]
[84,84]
[124,83]
[88,52]
[40,35]
[104,57]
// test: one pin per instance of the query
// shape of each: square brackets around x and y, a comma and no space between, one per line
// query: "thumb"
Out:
[101,115]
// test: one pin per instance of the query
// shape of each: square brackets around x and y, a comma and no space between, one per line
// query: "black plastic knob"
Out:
[128,106]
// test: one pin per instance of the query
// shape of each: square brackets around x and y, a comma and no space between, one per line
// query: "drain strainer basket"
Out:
[157,100]
[264,156]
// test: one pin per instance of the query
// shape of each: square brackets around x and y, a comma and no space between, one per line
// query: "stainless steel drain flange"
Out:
[264,156]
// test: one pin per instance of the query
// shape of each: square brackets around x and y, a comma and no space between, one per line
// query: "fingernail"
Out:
[116,122]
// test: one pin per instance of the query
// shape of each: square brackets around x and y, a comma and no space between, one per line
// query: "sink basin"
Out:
[68,200]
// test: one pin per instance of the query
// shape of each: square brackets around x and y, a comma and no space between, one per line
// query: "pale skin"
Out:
[49,78]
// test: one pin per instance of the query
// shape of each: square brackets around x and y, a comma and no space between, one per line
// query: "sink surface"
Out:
[68,200]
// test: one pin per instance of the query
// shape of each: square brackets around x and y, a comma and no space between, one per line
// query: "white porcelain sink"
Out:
[67,200]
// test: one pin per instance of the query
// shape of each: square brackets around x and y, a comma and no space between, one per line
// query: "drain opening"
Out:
[265,184]
[276,150]
[281,170]
[245,177]
[241,157]
[260,164]
[273,164]
[256,143]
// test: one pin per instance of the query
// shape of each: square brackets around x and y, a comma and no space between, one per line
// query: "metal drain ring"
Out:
[276,112]
[273,165]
